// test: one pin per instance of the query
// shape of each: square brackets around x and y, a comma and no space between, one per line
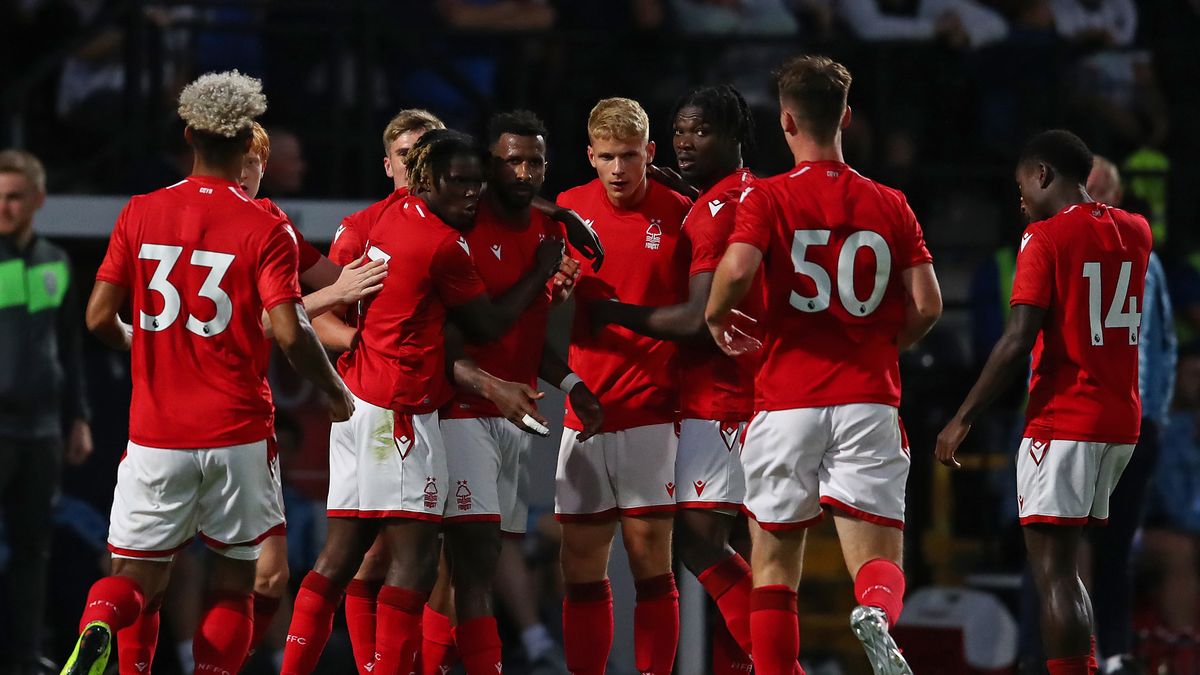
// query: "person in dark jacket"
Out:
[41,396]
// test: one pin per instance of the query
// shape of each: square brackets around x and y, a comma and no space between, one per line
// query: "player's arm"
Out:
[671,178]
[1009,358]
[337,286]
[923,305]
[483,320]
[299,343]
[670,322]
[581,235]
[584,402]
[102,317]
[732,281]
[517,402]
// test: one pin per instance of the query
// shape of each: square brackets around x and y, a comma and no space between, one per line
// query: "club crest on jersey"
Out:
[431,493]
[496,251]
[1038,450]
[463,496]
[654,235]
[700,485]
[729,434]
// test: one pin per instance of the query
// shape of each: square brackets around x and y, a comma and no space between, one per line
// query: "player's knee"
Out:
[648,553]
[374,564]
[271,582]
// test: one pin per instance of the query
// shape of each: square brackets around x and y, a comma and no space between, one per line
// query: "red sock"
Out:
[727,655]
[1092,663]
[774,629]
[880,583]
[360,622]
[588,627]
[479,644]
[398,630]
[437,643]
[656,624]
[1074,665]
[312,621]
[222,639]
[117,601]
[136,643]
[265,608]
[728,583]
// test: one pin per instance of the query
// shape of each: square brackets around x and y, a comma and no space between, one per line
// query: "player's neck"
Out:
[634,199]
[1070,195]
[805,149]
[709,183]
[509,215]
[203,168]
[22,237]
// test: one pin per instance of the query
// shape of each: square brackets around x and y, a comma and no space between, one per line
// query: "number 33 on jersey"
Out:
[834,246]
[1086,266]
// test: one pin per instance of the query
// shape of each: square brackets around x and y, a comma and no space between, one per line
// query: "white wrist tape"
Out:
[568,383]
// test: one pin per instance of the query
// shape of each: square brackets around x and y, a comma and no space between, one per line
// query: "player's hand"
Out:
[949,440]
[582,237]
[587,408]
[341,404]
[548,257]
[731,336]
[359,279]
[564,280]
[518,403]
[671,178]
[79,443]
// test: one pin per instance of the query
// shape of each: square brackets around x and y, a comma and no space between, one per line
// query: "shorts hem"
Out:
[359,513]
[160,553]
[597,517]
[278,530]
[1065,521]
[712,506]
[649,510]
[862,515]
[794,525]
[472,518]
[506,534]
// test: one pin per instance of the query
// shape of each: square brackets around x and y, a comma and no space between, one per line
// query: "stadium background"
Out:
[89,86]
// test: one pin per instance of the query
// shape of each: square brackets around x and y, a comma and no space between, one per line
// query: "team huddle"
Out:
[734,350]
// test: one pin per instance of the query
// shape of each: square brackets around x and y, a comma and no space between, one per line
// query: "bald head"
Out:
[1104,182]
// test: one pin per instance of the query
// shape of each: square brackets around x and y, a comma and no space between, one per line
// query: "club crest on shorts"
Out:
[463,495]
[670,489]
[729,434]
[402,434]
[1038,450]
[654,235]
[431,493]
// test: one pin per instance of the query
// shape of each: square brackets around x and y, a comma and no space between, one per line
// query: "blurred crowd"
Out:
[944,93]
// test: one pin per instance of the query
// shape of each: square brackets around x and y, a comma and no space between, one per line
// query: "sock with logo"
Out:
[265,608]
[727,655]
[222,639]
[360,622]
[136,643]
[479,644]
[398,629]
[115,600]
[588,627]
[880,583]
[438,653]
[312,621]
[728,584]
[774,630]
[656,624]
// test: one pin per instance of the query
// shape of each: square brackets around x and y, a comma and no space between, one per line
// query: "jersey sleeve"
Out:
[754,218]
[454,274]
[709,236]
[1033,281]
[277,268]
[348,243]
[308,254]
[117,266]
[913,251]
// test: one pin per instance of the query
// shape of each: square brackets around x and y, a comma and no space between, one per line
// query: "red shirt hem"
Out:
[793,404]
[1035,430]
[622,422]
[206,443]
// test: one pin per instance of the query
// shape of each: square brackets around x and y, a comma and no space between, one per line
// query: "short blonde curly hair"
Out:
[618,119]
[224,104]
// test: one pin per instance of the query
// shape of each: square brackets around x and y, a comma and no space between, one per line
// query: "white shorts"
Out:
[384,464]
[849,457]
[227,497]
[485,457]
[620,473]
[708,467]
[1068,482]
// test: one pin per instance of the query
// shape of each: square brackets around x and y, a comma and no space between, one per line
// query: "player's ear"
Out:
[787,122]
[650,152]
[387,166]
[591,156]
[1045,175]
[846,117]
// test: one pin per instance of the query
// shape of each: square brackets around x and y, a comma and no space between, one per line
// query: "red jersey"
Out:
[399,359]
[634,376]
[309,255]
[201,262]
[1086,266]
[504,253]
[350,239]
[714,386]
[834,246]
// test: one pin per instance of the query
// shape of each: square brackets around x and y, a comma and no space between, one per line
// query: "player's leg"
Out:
[222,639]
[587,508]
[874,555]
[1066,609]
[776,560]
[438,648]
[473,550]
[270,585]
[362,594]
[414,547]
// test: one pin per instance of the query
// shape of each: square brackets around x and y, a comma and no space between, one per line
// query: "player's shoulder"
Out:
[1129,219]
[581,194]
[663,197]
[271,207]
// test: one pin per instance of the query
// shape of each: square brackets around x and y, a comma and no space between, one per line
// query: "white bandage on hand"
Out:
[535,426]
[568,383]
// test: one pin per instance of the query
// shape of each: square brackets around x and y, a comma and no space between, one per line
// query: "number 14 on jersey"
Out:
[1117,316]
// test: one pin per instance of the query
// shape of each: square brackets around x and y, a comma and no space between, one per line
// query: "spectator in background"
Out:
[1096,23]
[286,177]
[961,24]
[1112,545]
[41,393]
